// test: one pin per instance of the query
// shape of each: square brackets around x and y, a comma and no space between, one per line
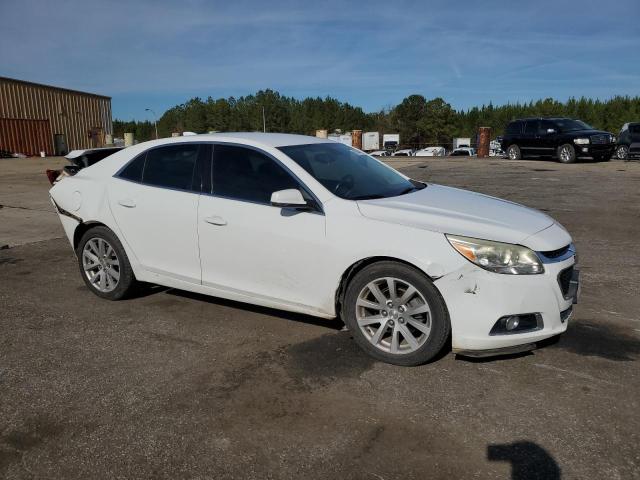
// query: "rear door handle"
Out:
[127,202]
[215,220]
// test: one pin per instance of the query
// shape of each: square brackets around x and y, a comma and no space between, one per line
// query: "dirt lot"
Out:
[175,385]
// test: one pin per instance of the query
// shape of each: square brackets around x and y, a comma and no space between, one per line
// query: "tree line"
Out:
[418,120]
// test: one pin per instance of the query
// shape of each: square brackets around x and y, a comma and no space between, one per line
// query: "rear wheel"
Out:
[513,152]
[566,153]
[622,152]
[396,314]
[104,264]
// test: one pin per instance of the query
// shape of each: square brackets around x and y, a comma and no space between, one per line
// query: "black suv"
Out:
[561,138]
[628,141]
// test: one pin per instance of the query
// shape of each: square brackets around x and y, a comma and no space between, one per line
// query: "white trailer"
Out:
[370,141]
[461,142]
[340,138]
[390,140]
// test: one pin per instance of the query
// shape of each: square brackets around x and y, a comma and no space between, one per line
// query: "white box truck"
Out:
[461,142]
[370,141]
[390,141]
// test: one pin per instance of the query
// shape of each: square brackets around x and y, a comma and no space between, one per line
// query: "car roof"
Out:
[267,139]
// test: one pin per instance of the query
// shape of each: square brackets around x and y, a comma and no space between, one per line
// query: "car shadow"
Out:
[334,324]
[529,461]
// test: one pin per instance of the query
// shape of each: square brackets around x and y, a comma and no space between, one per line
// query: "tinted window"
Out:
[171,166]
[531,127]
[460,153]
[246,174]
[349,173]
[546,125]
[96,156]
[635,129]
[514,128]
[568,125]
[133,171]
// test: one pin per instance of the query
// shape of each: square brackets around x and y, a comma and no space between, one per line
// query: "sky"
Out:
[156,54]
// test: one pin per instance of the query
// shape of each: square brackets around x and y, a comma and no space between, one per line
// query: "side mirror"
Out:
[290,198]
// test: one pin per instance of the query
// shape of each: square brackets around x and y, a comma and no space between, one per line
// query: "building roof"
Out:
[42,85]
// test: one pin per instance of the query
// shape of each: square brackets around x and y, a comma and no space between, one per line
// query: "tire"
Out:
[622,152]
[102,258]
[514,153]
[384,332]
[566,153]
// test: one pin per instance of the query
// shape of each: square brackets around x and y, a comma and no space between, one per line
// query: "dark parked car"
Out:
[561,138]
[79,159]
[628,141]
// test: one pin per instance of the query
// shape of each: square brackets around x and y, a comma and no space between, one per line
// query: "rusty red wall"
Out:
[30,137]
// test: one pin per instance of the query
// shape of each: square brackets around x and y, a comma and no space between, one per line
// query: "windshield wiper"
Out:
[369,197]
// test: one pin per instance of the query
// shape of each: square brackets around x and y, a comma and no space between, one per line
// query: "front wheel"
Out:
[566,153]
[513,152]
[622,152]
[396,314]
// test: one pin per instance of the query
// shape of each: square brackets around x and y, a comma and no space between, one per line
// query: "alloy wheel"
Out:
[393,315]
[622,152]
[101,264]
[565,153]
[513,155]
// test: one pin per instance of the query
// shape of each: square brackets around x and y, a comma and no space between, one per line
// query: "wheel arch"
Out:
[357,266]
[84,227]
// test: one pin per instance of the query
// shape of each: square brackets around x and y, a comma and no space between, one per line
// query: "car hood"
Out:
[460,212]
[587,132]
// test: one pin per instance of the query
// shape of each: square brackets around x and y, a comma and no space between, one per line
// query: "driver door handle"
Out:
[127,202]
[216,220]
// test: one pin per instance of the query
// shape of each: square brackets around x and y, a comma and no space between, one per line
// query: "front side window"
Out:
[171,166]
[568,125]
[349,173]
[246,174]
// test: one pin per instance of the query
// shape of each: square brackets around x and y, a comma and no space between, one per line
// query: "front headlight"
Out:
[581,141]
[496,256]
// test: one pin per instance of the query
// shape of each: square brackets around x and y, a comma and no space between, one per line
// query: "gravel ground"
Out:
[177,385]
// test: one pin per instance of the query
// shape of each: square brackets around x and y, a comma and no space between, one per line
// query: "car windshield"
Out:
[567,125]
[349,173]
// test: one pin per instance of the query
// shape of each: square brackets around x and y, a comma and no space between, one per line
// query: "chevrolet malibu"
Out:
[313,226]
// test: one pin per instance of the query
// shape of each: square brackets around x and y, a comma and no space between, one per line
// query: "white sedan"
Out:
[313,226]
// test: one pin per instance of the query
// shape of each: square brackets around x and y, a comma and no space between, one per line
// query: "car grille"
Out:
[564,279]
[556,253]
[600,139]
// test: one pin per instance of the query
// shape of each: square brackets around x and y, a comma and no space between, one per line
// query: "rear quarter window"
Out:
[514,128]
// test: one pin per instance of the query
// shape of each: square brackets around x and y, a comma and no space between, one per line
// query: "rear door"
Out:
[154,200]
[530,143]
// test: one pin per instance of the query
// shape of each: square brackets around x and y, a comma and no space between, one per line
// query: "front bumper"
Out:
[476,299]
[595,150]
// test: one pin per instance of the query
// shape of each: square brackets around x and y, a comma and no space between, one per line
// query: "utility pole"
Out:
[155,120]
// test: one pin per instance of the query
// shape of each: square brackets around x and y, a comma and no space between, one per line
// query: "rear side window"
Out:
[546,125]
[531,127]
[634,128]
[171,166]
[133,171]
[514,128]
[246,174]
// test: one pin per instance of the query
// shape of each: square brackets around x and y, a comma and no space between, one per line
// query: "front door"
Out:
[249,246]
[154,200]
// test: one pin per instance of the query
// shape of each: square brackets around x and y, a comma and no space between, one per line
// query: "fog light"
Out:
[585,149]
[512,323]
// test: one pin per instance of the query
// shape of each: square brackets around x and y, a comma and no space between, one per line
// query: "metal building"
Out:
[38,118]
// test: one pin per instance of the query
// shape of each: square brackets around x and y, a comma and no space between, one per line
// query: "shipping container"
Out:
[461,142]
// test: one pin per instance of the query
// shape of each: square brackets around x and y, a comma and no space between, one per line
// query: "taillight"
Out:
[52,175]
